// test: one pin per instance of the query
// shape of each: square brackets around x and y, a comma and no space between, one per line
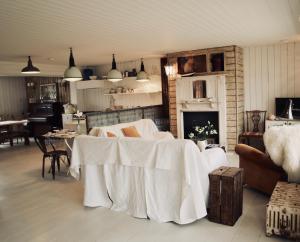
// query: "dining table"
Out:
[13,122]
[66,135]
[63,134]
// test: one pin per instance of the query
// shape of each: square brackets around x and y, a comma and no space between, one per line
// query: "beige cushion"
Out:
[110,134]
[130,131]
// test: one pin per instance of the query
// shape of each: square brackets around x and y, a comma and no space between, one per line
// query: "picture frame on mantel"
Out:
[199,89]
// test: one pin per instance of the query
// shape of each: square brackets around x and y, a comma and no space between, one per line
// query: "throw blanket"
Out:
[283,145]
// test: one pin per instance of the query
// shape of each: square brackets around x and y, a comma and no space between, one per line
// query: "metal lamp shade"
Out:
[114,75]
[72,73]
[30,69]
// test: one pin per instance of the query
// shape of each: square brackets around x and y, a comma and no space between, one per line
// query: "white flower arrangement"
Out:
[202,133]
[78,115]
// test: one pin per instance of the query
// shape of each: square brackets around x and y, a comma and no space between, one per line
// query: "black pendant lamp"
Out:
[30,69]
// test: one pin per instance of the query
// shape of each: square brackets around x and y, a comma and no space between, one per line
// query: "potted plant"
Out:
[200,134]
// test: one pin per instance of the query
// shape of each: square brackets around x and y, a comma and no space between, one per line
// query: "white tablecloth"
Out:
[166,180]
[13,122]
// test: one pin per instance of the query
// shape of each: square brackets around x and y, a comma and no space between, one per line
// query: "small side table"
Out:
[225,195]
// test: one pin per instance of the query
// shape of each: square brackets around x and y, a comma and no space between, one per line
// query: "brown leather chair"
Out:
[260,172]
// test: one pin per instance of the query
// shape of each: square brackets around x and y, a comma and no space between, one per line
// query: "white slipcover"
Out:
[163,179]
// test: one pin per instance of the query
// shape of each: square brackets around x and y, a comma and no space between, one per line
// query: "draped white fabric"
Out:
[153,176]
[166,180]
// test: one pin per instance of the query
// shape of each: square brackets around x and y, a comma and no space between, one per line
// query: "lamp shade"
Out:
[142,76]
[30,69]
[114,75]
[72,73]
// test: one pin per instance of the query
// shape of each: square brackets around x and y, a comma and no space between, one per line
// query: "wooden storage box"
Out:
[283,211]
[225,195]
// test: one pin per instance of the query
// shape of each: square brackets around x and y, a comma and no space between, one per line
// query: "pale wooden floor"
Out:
[36,209]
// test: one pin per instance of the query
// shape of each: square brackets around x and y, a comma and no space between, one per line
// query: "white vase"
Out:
[202,144]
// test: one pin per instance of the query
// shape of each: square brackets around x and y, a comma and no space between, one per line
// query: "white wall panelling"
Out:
[271,71]
[92,100]
[12,96]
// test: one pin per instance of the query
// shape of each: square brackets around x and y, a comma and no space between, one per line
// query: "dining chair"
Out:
[54,155]
[255,126]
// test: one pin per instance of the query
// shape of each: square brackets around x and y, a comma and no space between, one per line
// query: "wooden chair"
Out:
[255,126]
[53,155]
[19,132]
[3,134]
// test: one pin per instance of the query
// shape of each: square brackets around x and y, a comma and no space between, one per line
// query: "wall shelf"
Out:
[132,93]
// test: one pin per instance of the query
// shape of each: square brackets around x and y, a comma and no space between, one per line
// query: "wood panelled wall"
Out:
[63,88]
[271,71]
[233,65]
[12,96]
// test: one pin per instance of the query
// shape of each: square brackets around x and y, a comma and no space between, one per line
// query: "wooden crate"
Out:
[283,211]
[225,195]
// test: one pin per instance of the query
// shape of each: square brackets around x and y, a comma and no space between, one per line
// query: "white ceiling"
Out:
[137,28]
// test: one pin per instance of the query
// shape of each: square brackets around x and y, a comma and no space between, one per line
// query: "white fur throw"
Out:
[283,145]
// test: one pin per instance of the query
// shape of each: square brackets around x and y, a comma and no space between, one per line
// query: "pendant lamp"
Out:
[142,76]
[30,69]
[72,73]
[114,75]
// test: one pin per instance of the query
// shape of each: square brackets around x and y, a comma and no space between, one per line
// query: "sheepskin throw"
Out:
[283,145]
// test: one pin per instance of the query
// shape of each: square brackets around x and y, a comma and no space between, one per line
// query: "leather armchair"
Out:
[260,172]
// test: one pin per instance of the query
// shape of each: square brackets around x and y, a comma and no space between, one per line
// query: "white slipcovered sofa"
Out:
[153,176]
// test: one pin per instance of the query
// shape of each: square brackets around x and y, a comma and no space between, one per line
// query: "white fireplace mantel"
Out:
[215,101]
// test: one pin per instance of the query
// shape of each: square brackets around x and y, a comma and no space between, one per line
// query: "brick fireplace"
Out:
[234,88]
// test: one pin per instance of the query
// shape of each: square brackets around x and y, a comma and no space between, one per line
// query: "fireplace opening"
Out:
[193,119]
